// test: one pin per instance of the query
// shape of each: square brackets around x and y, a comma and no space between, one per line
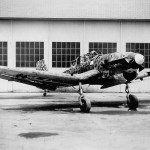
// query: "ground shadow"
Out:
[31,135]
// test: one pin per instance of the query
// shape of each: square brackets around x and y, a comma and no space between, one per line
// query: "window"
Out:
[3,53]
[103,47]
[64,52]
[142,48]
[28,53]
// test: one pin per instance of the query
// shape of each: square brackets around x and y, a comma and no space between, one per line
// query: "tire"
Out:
[132,102]
[44,94]
[85,104]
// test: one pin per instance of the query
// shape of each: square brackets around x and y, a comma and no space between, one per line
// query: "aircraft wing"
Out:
[46,79]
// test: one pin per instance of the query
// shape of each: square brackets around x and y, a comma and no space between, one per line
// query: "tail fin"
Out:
[40,65]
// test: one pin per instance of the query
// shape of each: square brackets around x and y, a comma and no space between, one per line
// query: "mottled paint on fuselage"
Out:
[110,74]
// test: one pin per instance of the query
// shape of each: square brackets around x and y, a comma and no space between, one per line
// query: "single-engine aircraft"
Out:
[94,69]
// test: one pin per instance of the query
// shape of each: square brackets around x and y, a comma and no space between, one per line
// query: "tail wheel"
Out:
[85,104]
[132,102]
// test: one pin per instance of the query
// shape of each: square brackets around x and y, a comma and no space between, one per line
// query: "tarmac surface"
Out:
[29,121]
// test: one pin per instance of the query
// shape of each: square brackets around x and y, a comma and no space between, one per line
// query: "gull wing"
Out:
[46,79]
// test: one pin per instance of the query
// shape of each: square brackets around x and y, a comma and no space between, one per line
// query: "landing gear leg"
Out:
[132,100]
[85,104]
[45,93]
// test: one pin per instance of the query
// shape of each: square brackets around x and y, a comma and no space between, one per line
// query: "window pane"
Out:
[37,51]
[72,51]
[32,64]
[142,46]
[31,51]
[42,45]
[27,44]
[58,51]
[41,57]
[58,57]
[58,64]
[68,45]
[53,64]
[22,51]
[37,44]
[23,64]
[27,51]
[63,51]
[64,45]
[77,44]
[17,57]
[36,58]
[54,45]
[63,57]
[53,51]
[22,45]
[110,45]
[54,58]
[95,45]
[104,45]
[5,44]
[114,45]
[17,50]
[5,63]
[68,51]
[90,45]
[31,44]
[78,51]
[5,57]
[58,45]
[72,45]
[27,58]
[63,64]
[18,44]
[41,51]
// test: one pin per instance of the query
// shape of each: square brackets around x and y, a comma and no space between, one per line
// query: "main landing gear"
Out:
[85,104]
[132,100]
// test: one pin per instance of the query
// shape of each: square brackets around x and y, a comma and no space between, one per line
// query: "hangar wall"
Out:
[71,31]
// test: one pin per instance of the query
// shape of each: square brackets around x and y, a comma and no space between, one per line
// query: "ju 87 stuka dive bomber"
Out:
[94,69]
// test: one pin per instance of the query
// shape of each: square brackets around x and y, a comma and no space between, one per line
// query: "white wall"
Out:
[71,31]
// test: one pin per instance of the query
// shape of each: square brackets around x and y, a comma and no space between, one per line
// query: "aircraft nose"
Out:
[139,59]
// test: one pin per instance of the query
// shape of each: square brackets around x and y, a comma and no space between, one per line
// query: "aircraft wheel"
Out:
[85,104]
[132,102]
[44,94]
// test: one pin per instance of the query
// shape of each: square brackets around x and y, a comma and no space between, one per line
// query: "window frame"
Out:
[63,53]
[3,53]
[27,55]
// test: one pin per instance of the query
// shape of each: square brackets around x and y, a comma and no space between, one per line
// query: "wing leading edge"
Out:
[46,80]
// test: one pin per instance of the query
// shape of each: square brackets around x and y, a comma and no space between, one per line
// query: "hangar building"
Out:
[60,30]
